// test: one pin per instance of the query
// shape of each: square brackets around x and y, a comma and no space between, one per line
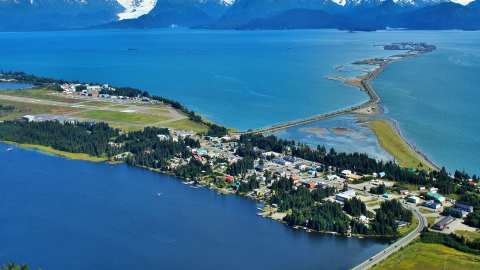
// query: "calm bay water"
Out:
[64,214]
[434,98]
[258,78]
[240,79]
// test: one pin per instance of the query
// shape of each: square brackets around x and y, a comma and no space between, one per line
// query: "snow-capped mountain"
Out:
[135,8]
[186,13]
[344,14]
[56,14]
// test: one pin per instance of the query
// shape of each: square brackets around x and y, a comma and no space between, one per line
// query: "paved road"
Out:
[402,242]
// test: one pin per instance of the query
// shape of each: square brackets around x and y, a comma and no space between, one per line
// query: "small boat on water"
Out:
[159,194]
[10,149]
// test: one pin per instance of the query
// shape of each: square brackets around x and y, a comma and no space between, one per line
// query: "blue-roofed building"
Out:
[464,207]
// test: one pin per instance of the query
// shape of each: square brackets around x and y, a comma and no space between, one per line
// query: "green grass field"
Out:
[373,203]
[22,108]
[99,104]
[431,221]
[424,210]
[125,117]
[409,228]
[391,141]
[141,115]
[39,93]
[187,124]
[469,234]
[423,256]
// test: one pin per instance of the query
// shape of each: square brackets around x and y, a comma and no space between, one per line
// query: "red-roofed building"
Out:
[229,178]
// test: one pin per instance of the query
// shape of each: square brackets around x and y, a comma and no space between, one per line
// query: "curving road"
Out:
[402,242]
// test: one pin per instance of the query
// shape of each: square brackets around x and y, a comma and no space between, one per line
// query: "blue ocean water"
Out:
[239,79]
[258,78]
[434,99]
[61,214]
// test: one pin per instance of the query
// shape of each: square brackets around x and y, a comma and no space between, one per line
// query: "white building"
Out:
[163,137]
[345,196]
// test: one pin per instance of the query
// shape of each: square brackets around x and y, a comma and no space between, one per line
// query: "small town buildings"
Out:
[363,219]
[401,223]
[281,161]
[302,167]
[229,178]
[458,212]
[345,196]
[202,152]
[28,118]
[182,134]
[436,197]
[432,205]
[48,117]
[312,173]
[443,223]
[122,156]
[260,168]
[332,177]
[413,199]
[163,137]
[464,207]
[271,154]
[376,182]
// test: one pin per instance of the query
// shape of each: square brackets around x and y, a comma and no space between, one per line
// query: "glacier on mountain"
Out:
[135,8]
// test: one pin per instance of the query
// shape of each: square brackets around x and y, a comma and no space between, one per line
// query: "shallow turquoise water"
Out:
[343,133]
[62,214]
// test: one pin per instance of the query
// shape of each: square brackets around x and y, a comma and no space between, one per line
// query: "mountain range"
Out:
[23,15]
[27,15]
